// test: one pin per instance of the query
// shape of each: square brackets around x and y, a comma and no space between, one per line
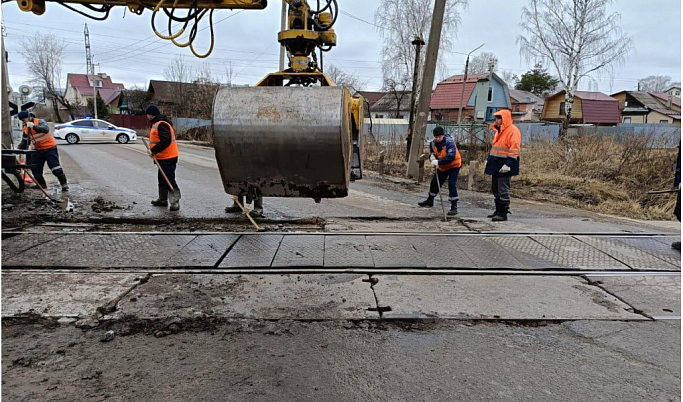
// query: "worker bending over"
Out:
[445,156]
[37,132]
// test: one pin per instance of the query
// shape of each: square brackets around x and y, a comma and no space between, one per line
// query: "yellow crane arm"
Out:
[137,6]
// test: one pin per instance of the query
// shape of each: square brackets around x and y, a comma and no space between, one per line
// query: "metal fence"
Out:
[658,135]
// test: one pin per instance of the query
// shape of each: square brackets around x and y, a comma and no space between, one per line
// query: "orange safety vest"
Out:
[507,142]
[41,141]
[442,154]
[172,150]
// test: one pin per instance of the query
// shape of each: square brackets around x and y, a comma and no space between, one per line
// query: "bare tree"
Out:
[43,55]
[398,88]
[344,79]
[577,37]
[399,21]
[510,78]
[137,99]
[480,63]
[656,83]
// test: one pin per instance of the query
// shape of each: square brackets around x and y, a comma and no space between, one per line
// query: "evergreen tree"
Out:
[538,82]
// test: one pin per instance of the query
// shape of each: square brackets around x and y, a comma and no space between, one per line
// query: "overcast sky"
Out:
[126,48]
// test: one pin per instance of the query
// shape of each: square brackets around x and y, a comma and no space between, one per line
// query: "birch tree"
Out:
[480,63]
[577,38]
[399,21]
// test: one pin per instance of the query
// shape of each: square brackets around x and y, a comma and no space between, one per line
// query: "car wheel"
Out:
[122,139]
[72,138]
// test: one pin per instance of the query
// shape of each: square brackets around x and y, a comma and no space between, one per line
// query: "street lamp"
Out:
[464,81]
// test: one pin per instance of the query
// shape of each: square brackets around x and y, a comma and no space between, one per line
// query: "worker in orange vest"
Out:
[37,133]
[444,155]
[164,148]
[503,162]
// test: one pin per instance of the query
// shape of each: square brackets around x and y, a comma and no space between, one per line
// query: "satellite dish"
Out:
[25,90]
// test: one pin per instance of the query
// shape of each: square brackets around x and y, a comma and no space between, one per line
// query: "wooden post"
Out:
[381,162]
[419,133]
[6,126]
[474,165]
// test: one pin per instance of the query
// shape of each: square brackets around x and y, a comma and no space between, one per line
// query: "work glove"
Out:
[29,124]
[435,162]
[504,169]
[432,157]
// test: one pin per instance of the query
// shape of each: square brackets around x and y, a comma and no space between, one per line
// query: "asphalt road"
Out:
[478,337]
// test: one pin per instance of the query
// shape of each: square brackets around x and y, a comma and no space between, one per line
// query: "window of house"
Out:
[439,117]
[562,111]
[379,116]
[627,120]
[664,122]
[490,96]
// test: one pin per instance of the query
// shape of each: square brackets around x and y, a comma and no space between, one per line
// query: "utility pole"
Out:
[417,144]
[90,69]
[6,126]
[418,43]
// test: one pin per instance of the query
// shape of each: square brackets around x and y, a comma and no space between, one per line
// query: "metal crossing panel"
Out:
[486,253]
[440,254]
[347,252]
[629,255]
[579,255]
[202,251]
[655,247]
[252,251]
[300,251]
[394,251]
[530,252]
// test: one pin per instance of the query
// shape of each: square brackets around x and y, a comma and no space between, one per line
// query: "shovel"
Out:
[436,175]
[64,203]
[156,162]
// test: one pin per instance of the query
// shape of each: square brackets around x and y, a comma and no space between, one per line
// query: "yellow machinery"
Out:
[296,134]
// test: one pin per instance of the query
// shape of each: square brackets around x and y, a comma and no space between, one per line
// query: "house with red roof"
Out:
[446,98]
[81,87]
[588,108]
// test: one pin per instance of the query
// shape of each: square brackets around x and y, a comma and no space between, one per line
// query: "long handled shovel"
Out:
[64,203]
[156,162]
[436,174]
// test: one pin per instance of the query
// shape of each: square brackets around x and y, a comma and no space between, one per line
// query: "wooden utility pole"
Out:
[4,98]
[418,43]
[417,144]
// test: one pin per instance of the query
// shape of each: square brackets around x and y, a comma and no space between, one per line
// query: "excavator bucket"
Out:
[287,141]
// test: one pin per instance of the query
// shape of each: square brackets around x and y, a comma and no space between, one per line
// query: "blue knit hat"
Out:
[152,110]
[23,115]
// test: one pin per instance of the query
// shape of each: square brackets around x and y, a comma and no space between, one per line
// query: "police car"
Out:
[93,130]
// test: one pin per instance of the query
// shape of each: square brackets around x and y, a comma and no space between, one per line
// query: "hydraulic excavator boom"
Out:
[295,134]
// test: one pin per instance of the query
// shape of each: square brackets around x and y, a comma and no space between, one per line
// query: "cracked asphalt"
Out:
[514,333]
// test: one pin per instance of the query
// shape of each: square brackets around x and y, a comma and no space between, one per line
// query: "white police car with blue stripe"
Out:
[93,130]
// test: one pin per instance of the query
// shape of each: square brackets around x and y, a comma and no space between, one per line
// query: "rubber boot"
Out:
[428,203]
[62,181]
[258,207]
[454,209]
[501,215]
[676,245]
[494,212]
[162,201]
[174,198]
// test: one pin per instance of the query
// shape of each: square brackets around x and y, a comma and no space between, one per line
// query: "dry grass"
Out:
[590,172]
